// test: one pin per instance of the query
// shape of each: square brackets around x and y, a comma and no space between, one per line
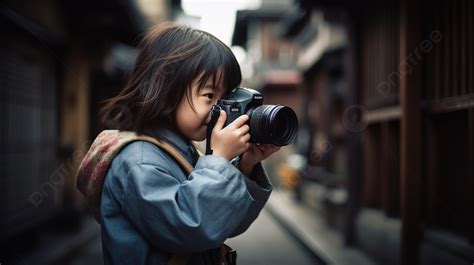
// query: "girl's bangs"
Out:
[221,66]
[231,73]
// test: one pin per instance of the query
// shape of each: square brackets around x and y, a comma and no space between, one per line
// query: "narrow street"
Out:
[264,243]
[267,243]
[371,104]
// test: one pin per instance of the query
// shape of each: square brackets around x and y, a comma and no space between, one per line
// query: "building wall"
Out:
[29,82]
[49,52]
[409,73]
[435,63]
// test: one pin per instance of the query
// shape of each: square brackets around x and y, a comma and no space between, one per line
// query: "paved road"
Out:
[90,254]
[264,243]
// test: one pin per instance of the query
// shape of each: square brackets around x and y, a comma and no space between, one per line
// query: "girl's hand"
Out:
[255,154]
[232,140]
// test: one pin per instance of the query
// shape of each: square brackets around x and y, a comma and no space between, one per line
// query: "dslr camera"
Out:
[269,124]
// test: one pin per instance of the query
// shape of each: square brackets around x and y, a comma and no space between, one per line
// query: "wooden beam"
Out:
[382,114]
[451,104]
[431,169]
[389,168]
[410,141]
[470,184]
[371,180]
[354,163]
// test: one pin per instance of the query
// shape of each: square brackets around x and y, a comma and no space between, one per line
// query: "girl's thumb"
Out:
[220,121]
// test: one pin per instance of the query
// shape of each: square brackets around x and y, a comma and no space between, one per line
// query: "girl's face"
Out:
[193,123]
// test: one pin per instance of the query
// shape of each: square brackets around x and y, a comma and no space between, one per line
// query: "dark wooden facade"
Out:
[48,52]
[409,66]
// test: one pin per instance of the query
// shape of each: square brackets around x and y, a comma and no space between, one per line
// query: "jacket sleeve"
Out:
[260,188]
[194,215]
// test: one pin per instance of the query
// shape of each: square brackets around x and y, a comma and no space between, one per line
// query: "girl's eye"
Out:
[209,95]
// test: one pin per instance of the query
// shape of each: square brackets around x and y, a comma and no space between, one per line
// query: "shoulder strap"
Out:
[182,258]
[170,150]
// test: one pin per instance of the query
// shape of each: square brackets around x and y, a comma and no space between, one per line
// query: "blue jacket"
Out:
[151,208]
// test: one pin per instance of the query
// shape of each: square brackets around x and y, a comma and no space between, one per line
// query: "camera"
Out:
[269,124]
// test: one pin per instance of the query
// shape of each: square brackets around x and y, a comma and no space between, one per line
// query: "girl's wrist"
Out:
[217,153]
[246,169]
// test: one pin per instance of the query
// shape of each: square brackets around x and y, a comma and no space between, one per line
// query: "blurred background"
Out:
[382,171]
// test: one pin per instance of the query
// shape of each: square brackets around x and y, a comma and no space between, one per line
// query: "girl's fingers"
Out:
[246,148]
[220,121]
[246,137]
[244,129]
[237,123]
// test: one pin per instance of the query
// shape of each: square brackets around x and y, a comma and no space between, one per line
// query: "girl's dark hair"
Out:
[170,58]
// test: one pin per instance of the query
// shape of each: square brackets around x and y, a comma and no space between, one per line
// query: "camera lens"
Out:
[273,124]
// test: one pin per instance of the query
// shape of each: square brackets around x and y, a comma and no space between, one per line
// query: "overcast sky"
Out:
[218,16]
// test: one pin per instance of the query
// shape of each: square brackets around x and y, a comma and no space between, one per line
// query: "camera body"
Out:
[240,101]
[269,124]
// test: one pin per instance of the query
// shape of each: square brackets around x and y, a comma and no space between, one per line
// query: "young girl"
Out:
[149,208]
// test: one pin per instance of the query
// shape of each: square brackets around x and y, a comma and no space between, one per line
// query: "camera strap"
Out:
[215,112]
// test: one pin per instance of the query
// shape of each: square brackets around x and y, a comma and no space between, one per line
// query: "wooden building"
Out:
[389,109]
[59,60]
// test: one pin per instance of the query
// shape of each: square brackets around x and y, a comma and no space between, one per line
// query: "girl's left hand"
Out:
[255,154]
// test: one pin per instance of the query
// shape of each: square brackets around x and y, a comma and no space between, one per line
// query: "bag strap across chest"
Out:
[175,259]
[182,258]
[170,150]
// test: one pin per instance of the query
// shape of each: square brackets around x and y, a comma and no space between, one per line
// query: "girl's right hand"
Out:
[232,140]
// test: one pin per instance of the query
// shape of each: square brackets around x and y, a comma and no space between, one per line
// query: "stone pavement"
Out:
[312,232]
[266,243]
[285,233]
